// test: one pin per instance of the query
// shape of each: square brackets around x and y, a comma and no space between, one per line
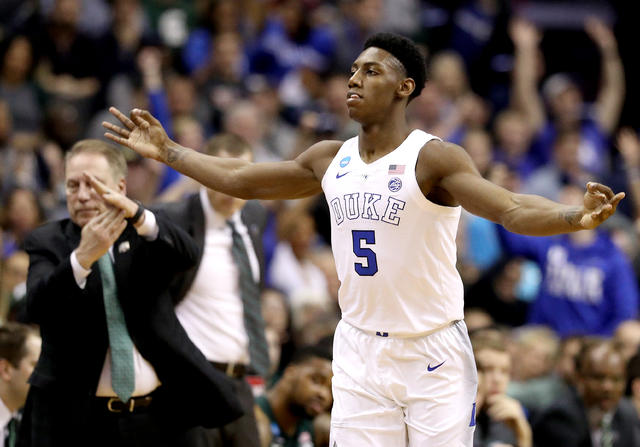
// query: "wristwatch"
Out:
[138,214]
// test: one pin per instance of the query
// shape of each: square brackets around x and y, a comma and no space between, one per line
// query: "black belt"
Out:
[115,405]
[235,370]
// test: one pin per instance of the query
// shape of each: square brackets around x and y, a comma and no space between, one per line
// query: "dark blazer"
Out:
[565,424]
[75,341]
[188,214]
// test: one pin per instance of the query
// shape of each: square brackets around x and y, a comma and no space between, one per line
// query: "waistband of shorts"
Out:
[387,334]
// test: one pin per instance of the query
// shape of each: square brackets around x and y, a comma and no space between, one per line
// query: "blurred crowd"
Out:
[535,91]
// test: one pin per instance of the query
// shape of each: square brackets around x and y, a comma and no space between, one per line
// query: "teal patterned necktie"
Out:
[122,372]
[252,311]
[12,432]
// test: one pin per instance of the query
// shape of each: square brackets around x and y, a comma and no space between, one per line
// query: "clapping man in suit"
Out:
[19,350]
[116,366]
[218,299]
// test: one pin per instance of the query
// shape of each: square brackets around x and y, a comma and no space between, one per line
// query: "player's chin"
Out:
[355,114]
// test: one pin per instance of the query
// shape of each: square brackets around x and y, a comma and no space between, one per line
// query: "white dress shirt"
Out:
[212,310]
[146,379]
[5,417]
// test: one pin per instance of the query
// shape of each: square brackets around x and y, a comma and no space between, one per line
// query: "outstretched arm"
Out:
[448,166]
[282,180]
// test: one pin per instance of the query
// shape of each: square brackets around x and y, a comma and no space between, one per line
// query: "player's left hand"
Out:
[599,203]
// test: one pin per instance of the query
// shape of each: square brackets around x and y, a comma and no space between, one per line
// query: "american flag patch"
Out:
[396,169]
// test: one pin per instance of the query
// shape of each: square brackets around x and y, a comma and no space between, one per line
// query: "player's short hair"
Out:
[114,156]
[13,341]
[407,52]
[231,143]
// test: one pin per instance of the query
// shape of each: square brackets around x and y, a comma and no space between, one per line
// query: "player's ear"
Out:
[406,88]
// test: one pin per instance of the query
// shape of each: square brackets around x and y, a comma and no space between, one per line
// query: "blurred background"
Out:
[542,95]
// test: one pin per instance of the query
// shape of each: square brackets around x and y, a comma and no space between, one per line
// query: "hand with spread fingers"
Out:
[599,203]
[141,133]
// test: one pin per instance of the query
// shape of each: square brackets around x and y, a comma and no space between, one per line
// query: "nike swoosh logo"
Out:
[338,175]
[432,368]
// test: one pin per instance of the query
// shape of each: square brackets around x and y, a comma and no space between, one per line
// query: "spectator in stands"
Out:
[68,70]
[496,291]
[628,144]
[292,269]
[564,99]
[627,338]
[16,87]
[563,169]
[219,17]
[285,413]
[513,135]
[535,382]
[357,20]
[288,40]
[19,351]
[499,418]
[632,391]
[13,287]
[570,348]
[218,299]
[277,319]
[21,214]
[593,414]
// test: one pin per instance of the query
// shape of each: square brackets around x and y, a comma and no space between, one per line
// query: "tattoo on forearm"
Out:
[174,154]
[572,217]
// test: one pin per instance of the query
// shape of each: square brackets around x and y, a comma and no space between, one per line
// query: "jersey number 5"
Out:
[369,237]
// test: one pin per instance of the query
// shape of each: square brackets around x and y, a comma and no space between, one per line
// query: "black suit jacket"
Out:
[189,215]
[74,333]
[565,424]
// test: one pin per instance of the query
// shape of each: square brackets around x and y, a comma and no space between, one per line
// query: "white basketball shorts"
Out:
[399,392]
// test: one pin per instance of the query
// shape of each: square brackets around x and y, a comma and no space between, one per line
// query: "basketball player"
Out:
[404,372]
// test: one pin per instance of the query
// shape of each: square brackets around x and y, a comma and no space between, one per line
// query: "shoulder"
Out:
[442,153]
[319,156]
[179,207]
[438,159]
[49,232]
[321,149]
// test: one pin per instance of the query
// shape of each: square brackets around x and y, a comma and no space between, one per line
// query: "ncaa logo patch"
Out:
[395,184]
[345,161]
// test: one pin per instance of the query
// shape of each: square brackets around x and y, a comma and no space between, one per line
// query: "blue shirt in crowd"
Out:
[585,290]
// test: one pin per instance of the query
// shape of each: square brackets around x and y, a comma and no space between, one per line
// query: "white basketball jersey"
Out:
[395,250]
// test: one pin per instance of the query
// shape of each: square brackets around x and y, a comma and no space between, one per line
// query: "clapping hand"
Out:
[99,234]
